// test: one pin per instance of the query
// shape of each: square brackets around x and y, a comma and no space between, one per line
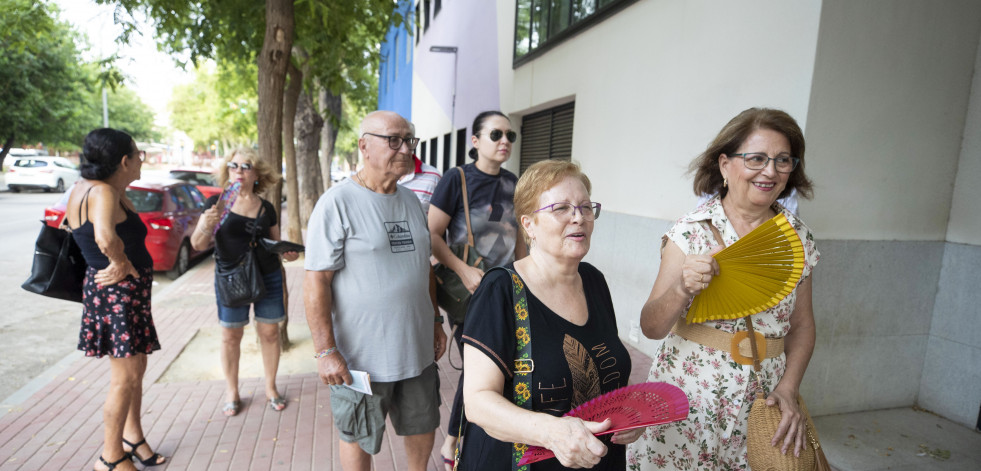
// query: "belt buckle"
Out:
[737,338]
[524,365]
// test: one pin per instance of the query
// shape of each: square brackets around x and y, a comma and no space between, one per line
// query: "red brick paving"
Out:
[60,426]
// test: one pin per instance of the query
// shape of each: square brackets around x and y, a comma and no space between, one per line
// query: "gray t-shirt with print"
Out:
[379,247]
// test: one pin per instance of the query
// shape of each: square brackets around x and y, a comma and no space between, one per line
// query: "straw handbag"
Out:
[763,422]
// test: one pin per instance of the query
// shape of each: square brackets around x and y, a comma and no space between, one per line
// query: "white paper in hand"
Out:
[361,382]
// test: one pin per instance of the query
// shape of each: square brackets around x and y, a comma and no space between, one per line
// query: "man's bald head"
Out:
[381,119]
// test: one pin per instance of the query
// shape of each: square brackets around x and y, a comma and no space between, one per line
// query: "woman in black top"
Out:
[116,318]
[232,241]
[490,194]
[576,351]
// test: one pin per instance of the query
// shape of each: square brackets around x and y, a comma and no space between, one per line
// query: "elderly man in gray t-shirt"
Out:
[370,300]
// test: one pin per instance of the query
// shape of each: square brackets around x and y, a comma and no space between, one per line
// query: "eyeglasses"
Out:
[566,211]
[141,154]
[395,142]
[759,161]
[235,166]
[496,134]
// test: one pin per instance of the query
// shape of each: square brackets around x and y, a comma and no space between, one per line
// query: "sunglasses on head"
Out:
[233,166]
[496,134]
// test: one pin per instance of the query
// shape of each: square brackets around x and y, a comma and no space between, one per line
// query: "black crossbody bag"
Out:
[241,284]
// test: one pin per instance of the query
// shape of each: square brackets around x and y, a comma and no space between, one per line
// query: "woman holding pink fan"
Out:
[558,307]
[236,218]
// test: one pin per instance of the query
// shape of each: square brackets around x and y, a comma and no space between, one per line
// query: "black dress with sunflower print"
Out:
[573,363]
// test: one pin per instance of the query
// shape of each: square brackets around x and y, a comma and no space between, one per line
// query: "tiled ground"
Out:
[59,427]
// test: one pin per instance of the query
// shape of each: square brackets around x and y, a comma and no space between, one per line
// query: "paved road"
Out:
[35,332]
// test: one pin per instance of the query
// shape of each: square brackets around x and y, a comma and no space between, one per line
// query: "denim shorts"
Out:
[268,310]
[412,404]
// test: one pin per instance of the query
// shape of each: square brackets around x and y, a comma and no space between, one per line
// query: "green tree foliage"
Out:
[219,105]
[43,86]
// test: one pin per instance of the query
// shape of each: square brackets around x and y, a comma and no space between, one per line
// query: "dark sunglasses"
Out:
[244,167]
[496,134]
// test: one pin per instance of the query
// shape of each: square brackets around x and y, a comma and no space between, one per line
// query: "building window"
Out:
[422,152]
[446,150]
[541,24]
[461,147]
[416,20]
[547,135]
[432,152]
[425,15]
[437,6]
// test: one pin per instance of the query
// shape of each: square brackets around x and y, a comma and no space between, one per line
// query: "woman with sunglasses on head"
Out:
[232,240]
[755,159]
[116,319]
[490,193]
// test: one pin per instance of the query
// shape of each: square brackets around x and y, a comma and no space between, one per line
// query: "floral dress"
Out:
[719,390]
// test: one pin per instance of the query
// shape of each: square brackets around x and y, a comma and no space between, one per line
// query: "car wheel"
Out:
[60,187]
[182,261]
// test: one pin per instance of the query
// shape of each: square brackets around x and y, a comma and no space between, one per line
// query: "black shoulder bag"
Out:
[59,268]
[241,284]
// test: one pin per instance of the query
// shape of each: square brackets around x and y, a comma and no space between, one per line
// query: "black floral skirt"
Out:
[116,319]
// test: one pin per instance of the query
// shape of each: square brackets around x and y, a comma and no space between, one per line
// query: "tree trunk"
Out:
[308,126]
[330,108]
[293,89]
[273,60]
[6,148]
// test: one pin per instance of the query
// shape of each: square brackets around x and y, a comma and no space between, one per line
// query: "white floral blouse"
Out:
[720,390]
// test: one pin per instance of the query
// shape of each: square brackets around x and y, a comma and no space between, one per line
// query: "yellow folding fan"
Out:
[755,273]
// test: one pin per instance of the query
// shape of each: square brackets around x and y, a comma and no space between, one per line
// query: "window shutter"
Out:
[547,135]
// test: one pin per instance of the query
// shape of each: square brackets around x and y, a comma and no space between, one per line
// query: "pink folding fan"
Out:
[634,406]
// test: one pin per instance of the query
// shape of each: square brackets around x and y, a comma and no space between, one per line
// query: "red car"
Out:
[204,180]
[170,210]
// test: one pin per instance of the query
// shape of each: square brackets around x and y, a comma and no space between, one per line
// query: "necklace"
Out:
[358,174]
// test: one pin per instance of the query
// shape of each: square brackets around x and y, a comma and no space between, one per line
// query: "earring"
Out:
[725,182]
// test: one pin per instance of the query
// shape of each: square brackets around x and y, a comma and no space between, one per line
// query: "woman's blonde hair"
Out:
[538,179]
[265,176]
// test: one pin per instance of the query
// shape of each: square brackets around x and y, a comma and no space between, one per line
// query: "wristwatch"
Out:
[439,319]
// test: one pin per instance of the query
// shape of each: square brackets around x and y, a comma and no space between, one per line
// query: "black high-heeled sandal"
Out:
[112,466]
[151,461]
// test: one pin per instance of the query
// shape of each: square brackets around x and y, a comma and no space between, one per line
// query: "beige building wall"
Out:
[656,81]
[965,213]
[886,116]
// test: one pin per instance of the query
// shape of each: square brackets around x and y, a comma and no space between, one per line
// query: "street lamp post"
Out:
[450,50]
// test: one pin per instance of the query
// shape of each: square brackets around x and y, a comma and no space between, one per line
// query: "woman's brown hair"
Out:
[708,178]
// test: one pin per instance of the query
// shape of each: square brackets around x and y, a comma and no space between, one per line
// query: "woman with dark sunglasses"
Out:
[233,238]
[490,193]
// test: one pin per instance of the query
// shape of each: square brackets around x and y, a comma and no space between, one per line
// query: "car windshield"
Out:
[196,178]
[30,163]
[145,201]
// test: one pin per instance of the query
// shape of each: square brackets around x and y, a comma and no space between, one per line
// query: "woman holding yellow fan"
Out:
[757,158]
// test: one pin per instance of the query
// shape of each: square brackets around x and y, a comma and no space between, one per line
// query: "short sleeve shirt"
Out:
[492,219]
[378,247]
[572,363]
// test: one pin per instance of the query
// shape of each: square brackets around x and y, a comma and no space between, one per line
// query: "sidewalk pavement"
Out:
[57,422]
[59,426]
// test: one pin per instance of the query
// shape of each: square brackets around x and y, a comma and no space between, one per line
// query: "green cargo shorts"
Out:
[413,405]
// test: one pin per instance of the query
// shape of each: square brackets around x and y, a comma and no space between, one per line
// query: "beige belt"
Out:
[737,344]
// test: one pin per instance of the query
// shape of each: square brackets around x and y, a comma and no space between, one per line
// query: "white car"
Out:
[44,172]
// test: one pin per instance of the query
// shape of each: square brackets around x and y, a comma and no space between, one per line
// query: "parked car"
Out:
[202,179]
[44,172]
[170,209]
